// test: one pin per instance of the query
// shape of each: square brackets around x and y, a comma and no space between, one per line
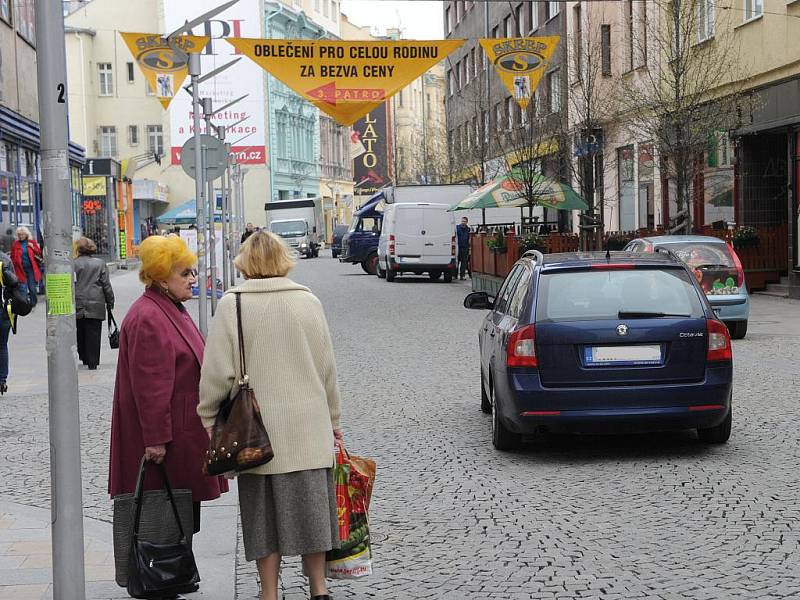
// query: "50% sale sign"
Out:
[346,80]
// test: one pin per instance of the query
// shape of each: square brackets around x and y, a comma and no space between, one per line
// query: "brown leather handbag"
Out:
[239,440]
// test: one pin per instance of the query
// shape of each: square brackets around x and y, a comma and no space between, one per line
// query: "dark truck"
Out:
[360,243]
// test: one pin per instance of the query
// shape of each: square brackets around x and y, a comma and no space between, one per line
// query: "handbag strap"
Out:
[242,363]
[111,320]
[137,498]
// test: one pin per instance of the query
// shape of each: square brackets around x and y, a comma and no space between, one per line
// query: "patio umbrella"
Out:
[184,214]
[508,191]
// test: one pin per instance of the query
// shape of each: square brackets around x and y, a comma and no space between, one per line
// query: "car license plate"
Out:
[598,356]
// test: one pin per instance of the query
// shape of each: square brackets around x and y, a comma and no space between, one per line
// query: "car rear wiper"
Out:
[645,314]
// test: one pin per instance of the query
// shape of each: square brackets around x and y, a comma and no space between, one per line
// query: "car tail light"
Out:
[392,250]
[453,246]
[613,266]
[738,264]
[719,341]
[522,348]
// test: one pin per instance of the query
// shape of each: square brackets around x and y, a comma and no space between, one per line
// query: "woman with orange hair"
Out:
[158,376]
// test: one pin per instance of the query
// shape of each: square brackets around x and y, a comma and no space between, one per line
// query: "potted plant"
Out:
[744,237]
[497,243]
[532,241]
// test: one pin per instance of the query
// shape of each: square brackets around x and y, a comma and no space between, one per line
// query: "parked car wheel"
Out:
[718,434]
[391,275]
[486,403]
[435,275]
[738,329]
[503,439]
[370,264]
[448,276]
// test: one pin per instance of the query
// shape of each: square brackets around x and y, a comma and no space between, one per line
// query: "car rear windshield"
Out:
[604,294]
[712,264]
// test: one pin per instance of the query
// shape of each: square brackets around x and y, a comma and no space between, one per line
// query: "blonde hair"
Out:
[160,255]
[26,231]
[264,255]
[85,246]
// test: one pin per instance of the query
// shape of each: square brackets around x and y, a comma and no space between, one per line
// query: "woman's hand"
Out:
[155,453]
[338,437]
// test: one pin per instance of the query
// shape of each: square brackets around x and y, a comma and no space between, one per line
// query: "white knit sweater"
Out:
[291,367]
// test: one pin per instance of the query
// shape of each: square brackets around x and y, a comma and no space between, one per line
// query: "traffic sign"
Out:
[216,157]
[345,79]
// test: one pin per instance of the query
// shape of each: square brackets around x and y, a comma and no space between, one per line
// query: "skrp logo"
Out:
[519,62]
[622,329]
[162,59]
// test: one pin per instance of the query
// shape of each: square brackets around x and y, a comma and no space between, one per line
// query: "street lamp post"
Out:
[208,113]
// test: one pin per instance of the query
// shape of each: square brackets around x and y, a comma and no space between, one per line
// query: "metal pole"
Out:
[226,212]
[231,210]
[199,195]
[66,505]
[212,206]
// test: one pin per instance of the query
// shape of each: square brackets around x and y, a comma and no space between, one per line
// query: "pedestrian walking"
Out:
[462,235]
[94,297]
[288,506]
[249,230]
[10,287]
[158,373]
[26,254]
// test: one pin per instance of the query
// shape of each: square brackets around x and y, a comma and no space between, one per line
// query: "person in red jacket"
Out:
[26,254]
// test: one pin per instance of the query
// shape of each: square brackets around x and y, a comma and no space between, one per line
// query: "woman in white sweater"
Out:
[288,506]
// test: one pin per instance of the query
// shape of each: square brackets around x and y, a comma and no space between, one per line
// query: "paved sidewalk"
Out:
[25,548]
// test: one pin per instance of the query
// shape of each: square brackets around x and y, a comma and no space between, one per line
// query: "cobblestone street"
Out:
[654,516]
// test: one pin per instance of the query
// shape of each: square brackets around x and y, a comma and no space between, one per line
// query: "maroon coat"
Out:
[155,400]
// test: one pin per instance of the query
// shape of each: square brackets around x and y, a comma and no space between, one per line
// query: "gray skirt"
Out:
[291,513]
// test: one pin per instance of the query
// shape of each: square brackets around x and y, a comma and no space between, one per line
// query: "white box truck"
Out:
[299,222]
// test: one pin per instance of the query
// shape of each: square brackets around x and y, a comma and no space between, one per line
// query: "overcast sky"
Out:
[419,20]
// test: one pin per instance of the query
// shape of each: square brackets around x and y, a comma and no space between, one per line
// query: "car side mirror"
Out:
[478,301]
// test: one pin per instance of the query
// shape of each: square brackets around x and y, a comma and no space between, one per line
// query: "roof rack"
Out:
[669,253]
[534,254]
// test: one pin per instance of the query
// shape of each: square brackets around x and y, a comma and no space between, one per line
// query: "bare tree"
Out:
[685,95]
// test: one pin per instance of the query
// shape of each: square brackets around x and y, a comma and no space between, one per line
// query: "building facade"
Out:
[20,164]
[481,113]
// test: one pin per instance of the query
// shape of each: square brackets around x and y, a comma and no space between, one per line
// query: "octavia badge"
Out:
[622,329]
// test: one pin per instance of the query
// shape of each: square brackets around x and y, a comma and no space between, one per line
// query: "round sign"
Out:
[216,157]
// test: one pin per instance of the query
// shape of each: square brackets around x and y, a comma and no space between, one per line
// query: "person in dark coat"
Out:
[10,282]
[26,254]
[158,376]
[93,296]
[462,234]
[248,231]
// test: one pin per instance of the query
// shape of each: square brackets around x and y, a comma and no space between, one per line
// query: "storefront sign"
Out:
[521,62]
[244,122]
[164,68]
[94,186]
[345,80]
[371,168]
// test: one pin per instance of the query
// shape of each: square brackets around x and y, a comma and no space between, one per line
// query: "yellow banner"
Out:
[346,80]
[521,62]
[163,68]
[94,186]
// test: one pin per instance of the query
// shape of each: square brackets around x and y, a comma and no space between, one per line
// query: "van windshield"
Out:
[599,294]
[289,228]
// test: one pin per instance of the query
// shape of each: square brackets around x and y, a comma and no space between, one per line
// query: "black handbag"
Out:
[159,570]
[239,440]
[113,334]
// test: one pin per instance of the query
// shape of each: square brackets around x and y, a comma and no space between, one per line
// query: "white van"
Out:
[417,237]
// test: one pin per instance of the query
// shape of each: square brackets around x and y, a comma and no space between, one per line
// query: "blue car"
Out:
[718,269]
[603,343]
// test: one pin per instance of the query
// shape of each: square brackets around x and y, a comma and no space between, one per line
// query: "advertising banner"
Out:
[521,62]
[371,167]
[248,137]
[163,68]
[345,80]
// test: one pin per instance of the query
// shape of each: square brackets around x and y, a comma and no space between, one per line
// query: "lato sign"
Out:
[346,80]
